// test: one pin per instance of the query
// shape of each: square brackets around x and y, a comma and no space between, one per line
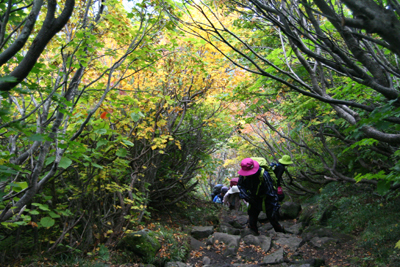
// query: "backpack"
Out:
[251,186]
[270,168]
[217,189]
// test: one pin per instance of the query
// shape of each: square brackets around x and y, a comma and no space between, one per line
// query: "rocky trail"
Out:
[232,244]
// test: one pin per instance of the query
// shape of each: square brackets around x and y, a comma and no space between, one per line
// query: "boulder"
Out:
[144,243]
[231,242]
[295,229]
[290,210]
[288,241]
[228,229]
[196,244]
[199,232]
[274,258]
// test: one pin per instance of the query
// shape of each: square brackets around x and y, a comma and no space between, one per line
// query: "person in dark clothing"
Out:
[280,168]
[256,187]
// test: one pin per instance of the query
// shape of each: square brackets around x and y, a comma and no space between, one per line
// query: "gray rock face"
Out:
[263,241]
[202,231]
[228,229]
[274,258]
[231,242]
[289,241]
[295,229]
[290,210]
[196,244]
[206,260]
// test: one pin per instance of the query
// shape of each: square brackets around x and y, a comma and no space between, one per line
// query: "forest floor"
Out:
[337,254]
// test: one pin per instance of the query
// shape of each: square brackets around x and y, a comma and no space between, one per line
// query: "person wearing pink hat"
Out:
[256,187]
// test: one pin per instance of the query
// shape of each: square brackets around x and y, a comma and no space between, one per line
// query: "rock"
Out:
[206,260]
[143,243]
[246,232]
[266,227]
[229,230]
[312,232]
[251,240]
[274,258]
[322,242]
[262,241]
[262,217]
[196,244]
[289,210]
[202,231]
[231,242]
[175,264]
[265,242]
[289,241]
[295,229]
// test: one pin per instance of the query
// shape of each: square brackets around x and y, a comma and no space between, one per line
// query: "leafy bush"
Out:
[371,217]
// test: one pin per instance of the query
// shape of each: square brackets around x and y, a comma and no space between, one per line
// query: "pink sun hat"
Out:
[249,167]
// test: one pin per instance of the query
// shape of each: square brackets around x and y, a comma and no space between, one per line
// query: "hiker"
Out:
[233,181]
[216,191]
[232,199]
[219,198]
[256,187]
[278,170]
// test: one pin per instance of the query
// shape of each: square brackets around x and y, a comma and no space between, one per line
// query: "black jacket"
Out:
[254,186]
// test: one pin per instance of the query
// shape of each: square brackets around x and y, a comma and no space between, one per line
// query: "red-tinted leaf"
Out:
[103,115]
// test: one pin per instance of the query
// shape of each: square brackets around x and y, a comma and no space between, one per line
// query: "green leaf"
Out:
[36,137]
[50,160]
[101,131]
[397,244]
[97,165]
[43,207]
[54,215]
[128,143]
[65,162]
[136,116]
[383,187]
[34,212]
[100,143]
[121,152]
[47,222]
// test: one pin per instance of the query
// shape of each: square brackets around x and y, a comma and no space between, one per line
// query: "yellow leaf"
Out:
[397,244]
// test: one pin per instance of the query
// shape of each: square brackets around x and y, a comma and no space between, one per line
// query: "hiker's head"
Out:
[224,190]
[286,160]
[234,189]
[248,167]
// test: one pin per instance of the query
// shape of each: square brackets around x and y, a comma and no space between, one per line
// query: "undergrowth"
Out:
[172,224]
[359,211]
